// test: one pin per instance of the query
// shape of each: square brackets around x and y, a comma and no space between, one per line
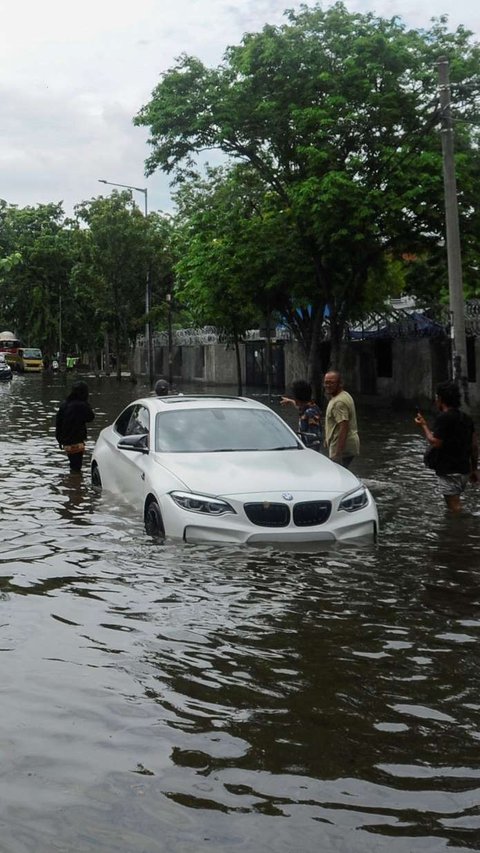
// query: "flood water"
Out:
[210,698]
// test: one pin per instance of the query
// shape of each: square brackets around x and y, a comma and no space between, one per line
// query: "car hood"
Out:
[259,471]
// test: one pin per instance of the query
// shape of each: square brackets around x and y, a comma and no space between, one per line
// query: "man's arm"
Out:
[342,437]
[431,438]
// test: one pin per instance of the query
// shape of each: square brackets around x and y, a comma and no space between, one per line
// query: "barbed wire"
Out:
[434,321]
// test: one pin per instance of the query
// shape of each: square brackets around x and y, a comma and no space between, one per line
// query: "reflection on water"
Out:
[202,698]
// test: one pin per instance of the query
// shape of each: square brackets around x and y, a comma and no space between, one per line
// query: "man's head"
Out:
[332,383]
[161,388]
[448,395]
[301,391]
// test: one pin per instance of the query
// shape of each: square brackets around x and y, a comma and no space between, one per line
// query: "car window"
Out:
[122,421]
[139,422]
[214,430]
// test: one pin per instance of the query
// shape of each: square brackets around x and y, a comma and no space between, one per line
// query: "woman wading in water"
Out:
[70,424]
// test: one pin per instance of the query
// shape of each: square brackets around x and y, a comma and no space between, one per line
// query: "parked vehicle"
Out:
[227,469]
[9,345]
[29,360]
[5,369]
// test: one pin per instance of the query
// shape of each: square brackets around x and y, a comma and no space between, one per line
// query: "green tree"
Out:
[337,113]
[241,263]
[41,241]
[112,268]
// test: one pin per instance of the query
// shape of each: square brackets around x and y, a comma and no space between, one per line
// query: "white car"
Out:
[5,369]
[228,469]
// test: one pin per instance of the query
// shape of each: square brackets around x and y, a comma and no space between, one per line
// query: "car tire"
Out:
[96,478]
[153,520]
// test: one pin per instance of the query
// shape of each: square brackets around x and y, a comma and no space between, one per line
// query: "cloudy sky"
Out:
[72,76]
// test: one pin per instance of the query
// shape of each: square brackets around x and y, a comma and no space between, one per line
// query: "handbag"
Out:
[431,457]
[74,448]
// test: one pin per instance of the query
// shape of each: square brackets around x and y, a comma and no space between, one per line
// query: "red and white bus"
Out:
[9,345]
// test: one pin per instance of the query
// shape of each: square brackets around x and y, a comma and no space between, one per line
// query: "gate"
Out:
[256,364]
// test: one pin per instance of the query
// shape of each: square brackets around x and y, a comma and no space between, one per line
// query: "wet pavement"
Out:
[210,698]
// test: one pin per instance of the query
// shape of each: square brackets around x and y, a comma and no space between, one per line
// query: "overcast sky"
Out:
[72,76]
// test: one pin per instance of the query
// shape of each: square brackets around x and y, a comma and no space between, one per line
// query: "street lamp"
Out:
[148,289]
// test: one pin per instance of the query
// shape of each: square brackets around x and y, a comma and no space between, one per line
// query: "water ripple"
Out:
[184,698]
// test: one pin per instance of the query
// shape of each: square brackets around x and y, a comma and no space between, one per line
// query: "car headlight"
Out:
[201,503]
[354,500]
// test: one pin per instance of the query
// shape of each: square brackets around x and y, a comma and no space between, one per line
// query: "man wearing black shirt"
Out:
[454,437]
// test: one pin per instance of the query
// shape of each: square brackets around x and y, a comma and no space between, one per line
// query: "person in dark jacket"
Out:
[70,424]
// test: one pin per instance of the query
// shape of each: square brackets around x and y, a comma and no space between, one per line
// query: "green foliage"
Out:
[40,240]
[64,283]
[337,115]
[8,263]
[240,259]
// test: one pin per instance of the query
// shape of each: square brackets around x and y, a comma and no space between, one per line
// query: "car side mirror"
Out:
[311,440]
[136,443]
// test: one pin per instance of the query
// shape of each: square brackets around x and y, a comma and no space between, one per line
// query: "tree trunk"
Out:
[118,359]
[337,326]
[106,354]
[315,373]
[239,366]
[268,354]
[131,357]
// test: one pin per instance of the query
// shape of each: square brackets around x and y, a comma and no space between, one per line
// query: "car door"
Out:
[131,464]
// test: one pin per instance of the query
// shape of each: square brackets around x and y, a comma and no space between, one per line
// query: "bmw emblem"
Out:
[287,496]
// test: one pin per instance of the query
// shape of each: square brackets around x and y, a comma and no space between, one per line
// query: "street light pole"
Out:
[454,258]
[148,287]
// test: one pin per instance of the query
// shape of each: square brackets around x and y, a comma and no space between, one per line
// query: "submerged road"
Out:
[203,698]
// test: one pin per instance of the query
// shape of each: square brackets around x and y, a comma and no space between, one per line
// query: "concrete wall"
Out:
[418,364]
[210,363]
[221,364]
[295,363]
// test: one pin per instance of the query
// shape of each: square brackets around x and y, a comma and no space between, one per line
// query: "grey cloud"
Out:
[54,148]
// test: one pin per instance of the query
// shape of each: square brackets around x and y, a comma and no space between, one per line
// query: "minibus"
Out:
[29,360]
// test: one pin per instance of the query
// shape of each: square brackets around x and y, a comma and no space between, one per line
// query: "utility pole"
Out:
[454,257]
[169,299]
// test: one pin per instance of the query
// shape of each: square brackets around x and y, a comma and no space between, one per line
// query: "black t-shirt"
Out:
[455,429]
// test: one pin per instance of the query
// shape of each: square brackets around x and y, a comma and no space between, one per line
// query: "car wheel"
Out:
[153,520]
[96,478]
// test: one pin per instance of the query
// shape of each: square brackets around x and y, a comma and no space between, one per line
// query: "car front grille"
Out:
[305,514]
[309,513]
[268,514]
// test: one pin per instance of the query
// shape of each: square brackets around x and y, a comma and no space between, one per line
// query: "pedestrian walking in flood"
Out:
[70,424]
[309,413]
[341,431]
[453,445]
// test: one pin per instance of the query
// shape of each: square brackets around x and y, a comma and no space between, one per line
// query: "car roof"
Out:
[199,401]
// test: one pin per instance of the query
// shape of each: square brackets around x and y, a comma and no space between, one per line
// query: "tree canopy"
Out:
[337,113]
[70,285]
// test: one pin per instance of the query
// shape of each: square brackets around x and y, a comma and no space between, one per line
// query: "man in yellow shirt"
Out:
[341,432]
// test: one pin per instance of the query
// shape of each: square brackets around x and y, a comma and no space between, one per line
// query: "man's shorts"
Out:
[452,484]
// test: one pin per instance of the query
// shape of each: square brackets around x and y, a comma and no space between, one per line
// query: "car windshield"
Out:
[217,430]
[32,353]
